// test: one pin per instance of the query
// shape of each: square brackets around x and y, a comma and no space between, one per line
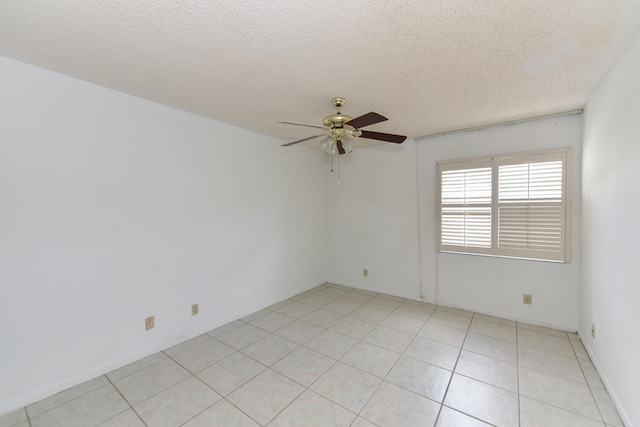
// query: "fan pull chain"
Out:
[338,161]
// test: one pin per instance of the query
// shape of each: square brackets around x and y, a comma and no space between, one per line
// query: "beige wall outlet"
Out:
[194,309]
[365,272]
[150,322]
[593,330]
[526,299]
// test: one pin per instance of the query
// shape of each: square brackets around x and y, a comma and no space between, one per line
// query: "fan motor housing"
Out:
[336,120]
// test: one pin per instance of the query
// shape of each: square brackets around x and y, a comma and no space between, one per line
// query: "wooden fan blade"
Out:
[305,125]
[366,120]
[340,147]
[387,137]
[301,140]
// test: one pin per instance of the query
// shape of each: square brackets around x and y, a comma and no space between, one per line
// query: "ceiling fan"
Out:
[339,128]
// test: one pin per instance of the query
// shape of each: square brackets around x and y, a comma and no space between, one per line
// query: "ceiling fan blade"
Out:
[388,137]
[366,120]
[301,140]
[340,147]
[306,125]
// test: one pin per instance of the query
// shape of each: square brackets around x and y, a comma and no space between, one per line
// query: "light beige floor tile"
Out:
[304,366]
[228,374]
[316,300]
[203,355]
[384,304]
[331,292]
[127,418]
[347,386]
[436,353]
[371,359]
[411,309]
[222,414]
[493,329]
[407,324]
[489,370]
[256,315]
[277,306]
[136,366]
[542,330]
[579,350]
[354,328]
[442,333]
[483,401]
[314,411]
[494,319]
[607,408]
[457,311]
[394,406]
[540,341]
[331,344]
[560,392]
[361,422]
[296,309]
[265,396]
[186,345]
[451,418]
[87,410]
[12,418]
[492,347]
[392,297]
[551,363]
[226,328]
[369,314]
[355,298]
[270,349]
[273,321]
[341,307]
[177,404]
[455,319]
[242,336]
[299,332]
[66,395]
[150,381]
[388,338]
[322,318]
[538,414]
[591,374]
[420,377]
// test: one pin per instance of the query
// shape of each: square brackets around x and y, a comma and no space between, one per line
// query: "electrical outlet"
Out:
[593,330]
[365,272]
[149,322]
[194,309]
[526,299]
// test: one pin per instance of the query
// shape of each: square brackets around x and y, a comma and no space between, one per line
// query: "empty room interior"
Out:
[448,236]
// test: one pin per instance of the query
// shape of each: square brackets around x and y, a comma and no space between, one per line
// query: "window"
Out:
[512,205]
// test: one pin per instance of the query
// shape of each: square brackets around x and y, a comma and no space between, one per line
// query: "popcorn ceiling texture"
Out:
[430,66]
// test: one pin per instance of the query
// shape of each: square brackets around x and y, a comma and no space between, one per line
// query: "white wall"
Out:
[374,225]
[610,296]
[495,285]
[113,208]
[373,220]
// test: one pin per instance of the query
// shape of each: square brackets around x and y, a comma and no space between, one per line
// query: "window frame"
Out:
[495,161]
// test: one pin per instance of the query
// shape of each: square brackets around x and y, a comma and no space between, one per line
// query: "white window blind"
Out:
[514,206]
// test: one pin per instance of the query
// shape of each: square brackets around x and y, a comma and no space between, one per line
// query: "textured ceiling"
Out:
[429,66]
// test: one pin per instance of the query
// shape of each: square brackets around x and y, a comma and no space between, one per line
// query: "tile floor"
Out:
[336,356]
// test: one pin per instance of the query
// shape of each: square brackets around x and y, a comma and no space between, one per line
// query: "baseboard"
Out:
[607,384]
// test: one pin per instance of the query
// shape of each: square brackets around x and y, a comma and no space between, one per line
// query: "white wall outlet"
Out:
[194,309]
[149,322]
[526,299]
